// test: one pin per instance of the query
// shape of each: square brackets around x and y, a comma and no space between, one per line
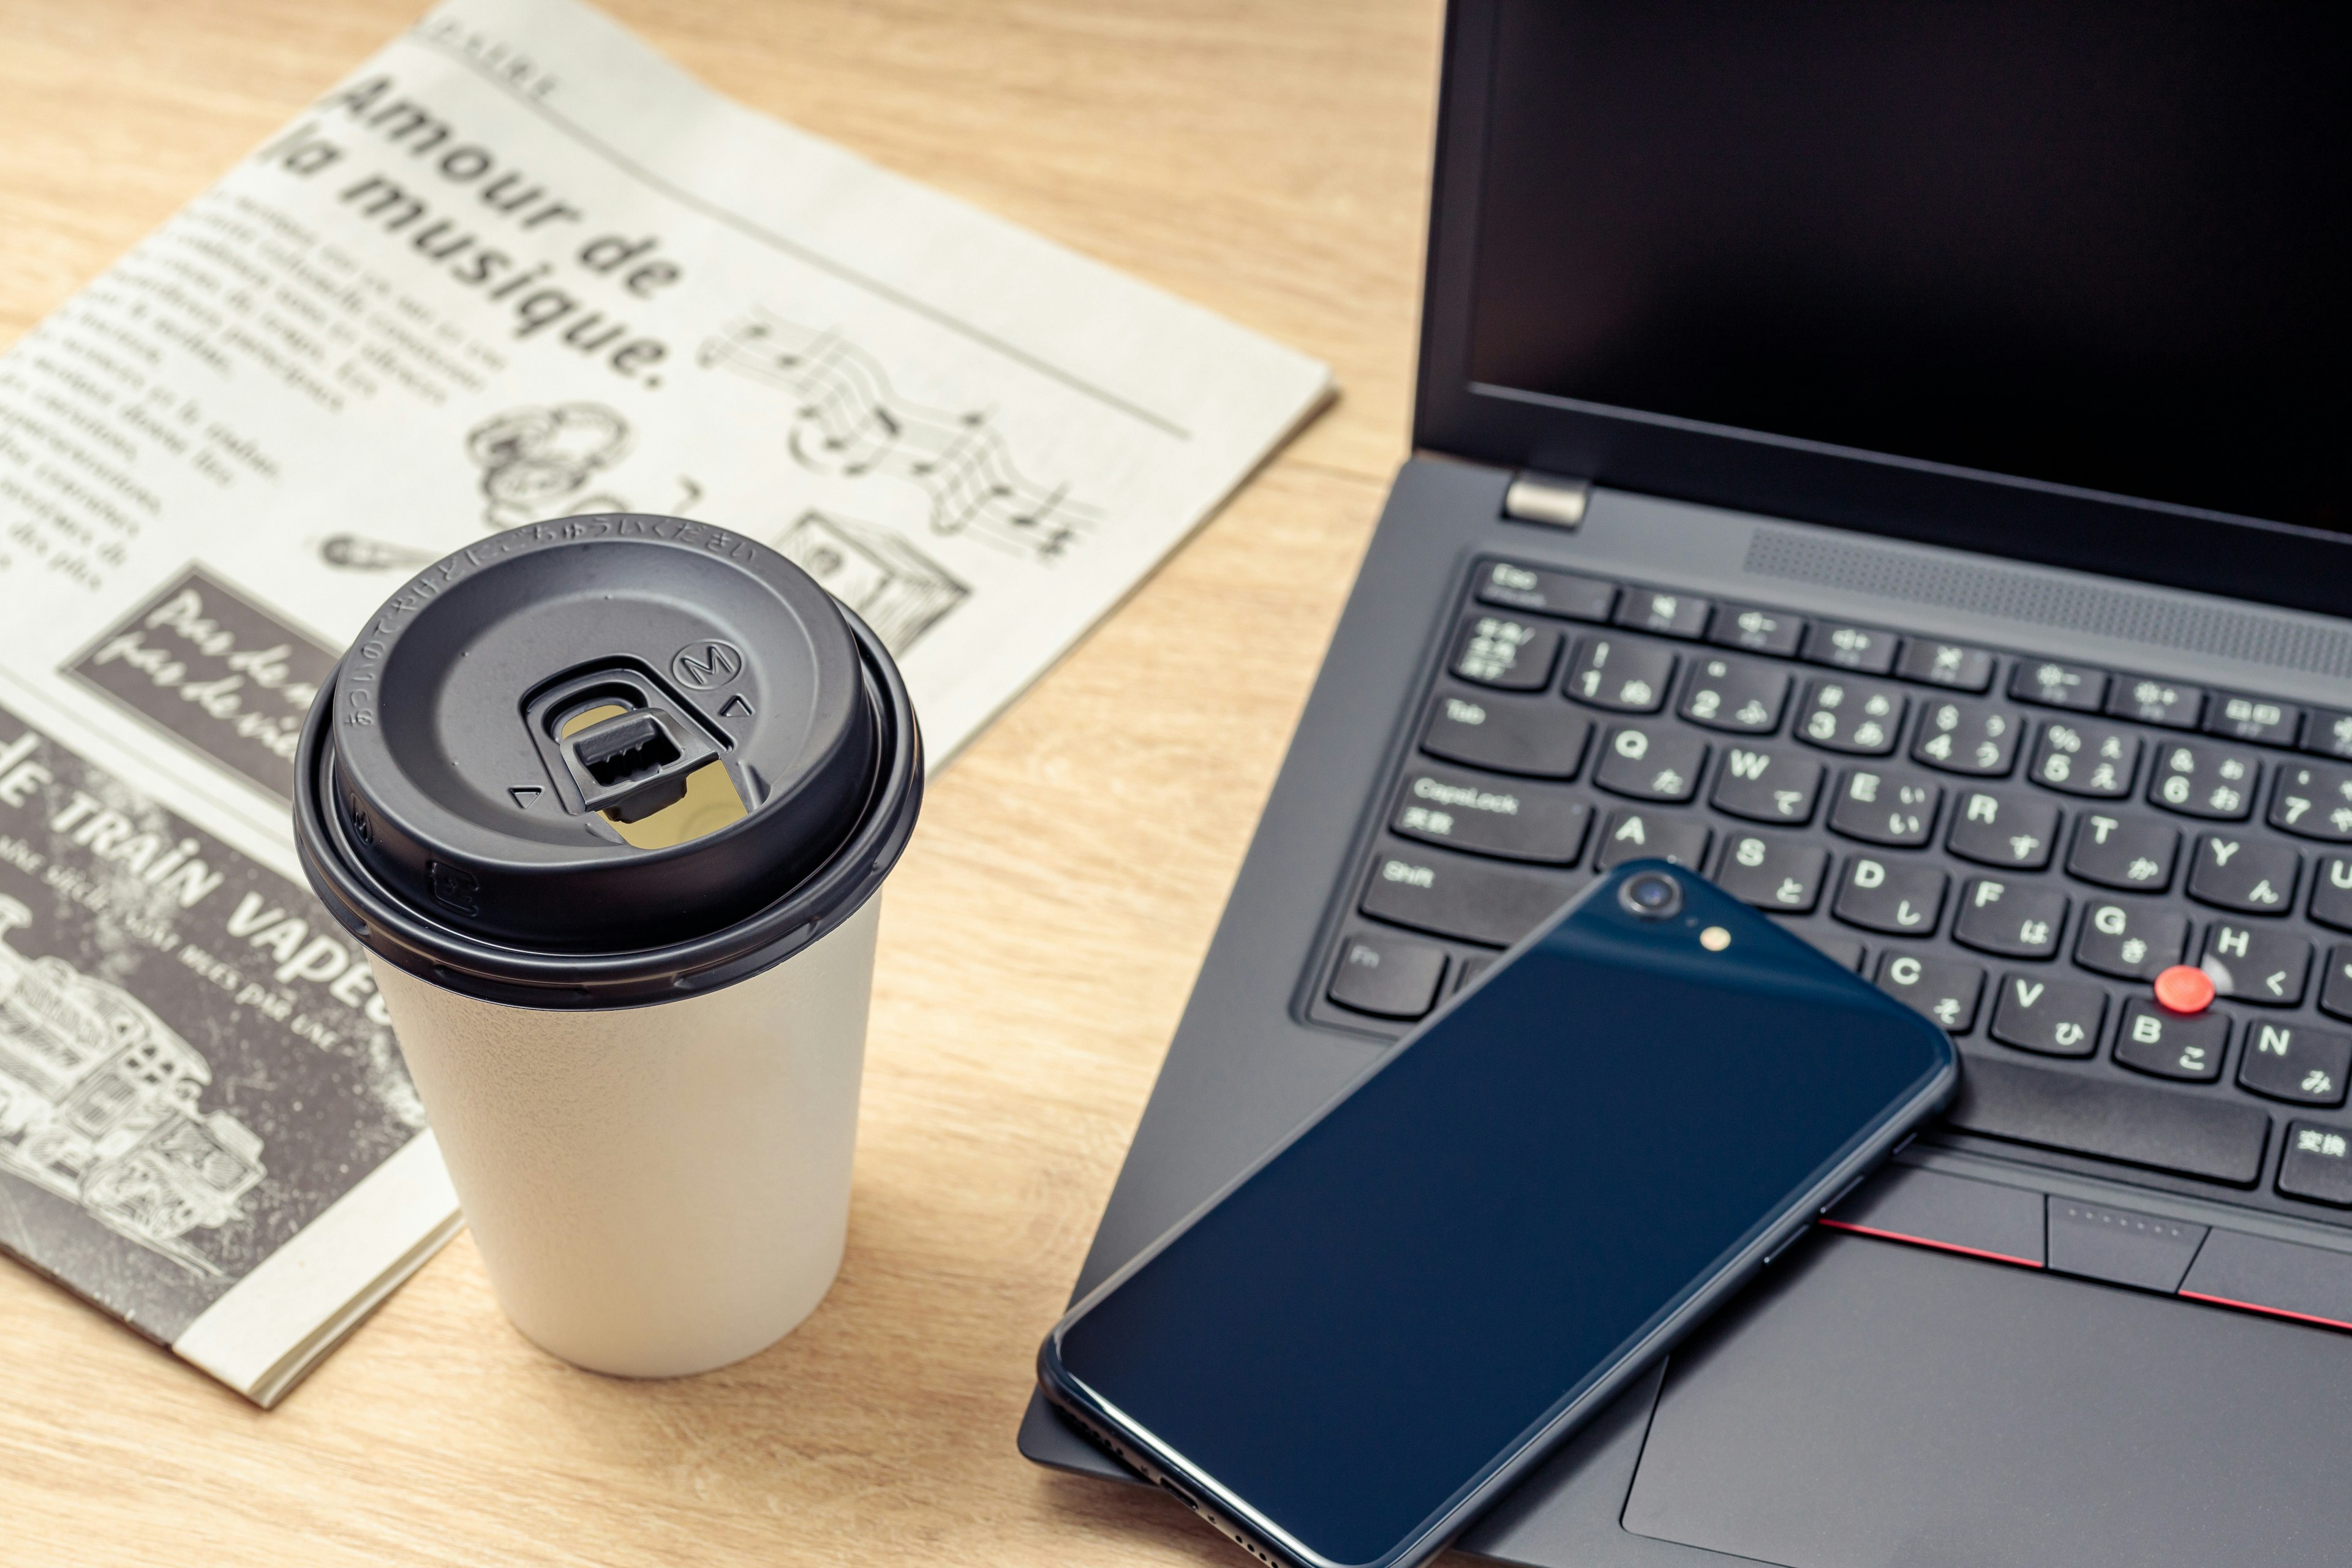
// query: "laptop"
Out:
[1892,459]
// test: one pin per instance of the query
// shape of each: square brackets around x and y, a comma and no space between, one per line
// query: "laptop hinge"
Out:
[1546,498]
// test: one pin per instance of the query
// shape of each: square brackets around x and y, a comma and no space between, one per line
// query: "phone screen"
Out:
[1482,1228]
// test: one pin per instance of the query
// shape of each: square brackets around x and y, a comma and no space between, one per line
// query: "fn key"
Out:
[1387,976]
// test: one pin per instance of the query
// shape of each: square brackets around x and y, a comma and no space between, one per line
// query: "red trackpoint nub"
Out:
[2185,989]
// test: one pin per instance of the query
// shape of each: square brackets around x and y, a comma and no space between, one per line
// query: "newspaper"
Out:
[514,267]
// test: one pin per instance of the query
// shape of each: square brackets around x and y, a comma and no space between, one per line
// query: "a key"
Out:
[2317,1163]
[1387,976]
[1992,829]
[2164,1044]
[1950,664]
[1541,591]
[1735,694]
[2233,872]
[1652,836]
[2054,1017]
[2151,701]
[1893,806]
[1650,762]
[1622,674]
[1667,613]
[2134,853]
[2294,1062]
[1758,631]
[2083,758]
[2331,892]
[2128,942]
[2015,919]
[1771,873]
[2327,733]
[1766,785]
[2315,800]
[1860,717]
[2253,718]
[2203,778]
[1901,898]
[1456,896]
[1975,738]
[2261,964]
[1861,648]
[1541,737]
[2210,1137]
[1945,989]
[1488,815]
[2055,685]
[1504,652]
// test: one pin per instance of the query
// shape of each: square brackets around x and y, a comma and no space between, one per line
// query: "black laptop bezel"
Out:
[2025,520]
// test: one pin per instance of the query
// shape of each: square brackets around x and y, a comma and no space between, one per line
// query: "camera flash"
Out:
[1714,939]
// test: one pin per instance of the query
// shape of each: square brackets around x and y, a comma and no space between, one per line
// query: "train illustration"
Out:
[98,1104]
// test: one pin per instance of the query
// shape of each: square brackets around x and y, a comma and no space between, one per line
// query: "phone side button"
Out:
[1787,1242]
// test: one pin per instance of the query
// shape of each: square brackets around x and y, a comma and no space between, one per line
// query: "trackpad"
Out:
[1881,1404]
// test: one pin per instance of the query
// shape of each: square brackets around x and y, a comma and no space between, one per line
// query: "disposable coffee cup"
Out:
[610,801]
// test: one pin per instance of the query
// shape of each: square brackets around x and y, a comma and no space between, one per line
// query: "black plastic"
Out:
[457,815]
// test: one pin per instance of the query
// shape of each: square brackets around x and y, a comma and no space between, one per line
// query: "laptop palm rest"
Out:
[1881,1404]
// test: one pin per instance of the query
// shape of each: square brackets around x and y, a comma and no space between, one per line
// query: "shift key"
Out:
[1448,895]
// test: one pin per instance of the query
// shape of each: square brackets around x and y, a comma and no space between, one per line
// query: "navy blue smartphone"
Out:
[1375,1330]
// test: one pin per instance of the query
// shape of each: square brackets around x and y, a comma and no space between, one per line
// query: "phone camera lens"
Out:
[1652,895]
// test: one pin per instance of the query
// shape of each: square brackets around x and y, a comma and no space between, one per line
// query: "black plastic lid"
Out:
[519,779]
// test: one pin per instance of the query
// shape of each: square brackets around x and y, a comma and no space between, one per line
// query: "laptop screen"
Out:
[2101,245]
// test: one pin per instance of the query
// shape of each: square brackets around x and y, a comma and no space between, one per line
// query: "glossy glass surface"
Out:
[1482,1227]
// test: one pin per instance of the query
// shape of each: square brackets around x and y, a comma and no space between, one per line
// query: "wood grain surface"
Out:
[1266,161]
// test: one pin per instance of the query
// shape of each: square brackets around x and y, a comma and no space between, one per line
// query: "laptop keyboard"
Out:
[2038,855]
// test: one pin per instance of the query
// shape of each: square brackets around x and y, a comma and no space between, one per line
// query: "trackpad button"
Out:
[1881,1404]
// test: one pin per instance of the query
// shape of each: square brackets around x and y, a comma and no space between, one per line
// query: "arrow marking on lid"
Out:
[524,794]
[736,708]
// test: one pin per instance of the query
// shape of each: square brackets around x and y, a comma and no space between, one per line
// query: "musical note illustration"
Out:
[851,421]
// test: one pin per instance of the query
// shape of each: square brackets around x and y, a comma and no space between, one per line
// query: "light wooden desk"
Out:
[1268,162]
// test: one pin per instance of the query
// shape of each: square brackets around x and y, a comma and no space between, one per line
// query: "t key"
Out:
[2129,852]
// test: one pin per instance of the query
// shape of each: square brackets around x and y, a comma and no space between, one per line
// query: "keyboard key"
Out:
[2015,919]
[2209,1137]
[2327,732]
[2003,830]
[1945,989]
[1539,737]
[1902,897]
[1735,694]
[1650,762]
[2315,800]
[1945,664]
[1491,816]
[2055,685]
[2097,760]
[1775,631]
[2253,718]
[1861,648]
[1974,738]
[1540,592]
[1766,786]
[1663,611]
[1652,836]
[2232,871]
[1453,895]
[2294,1062]
[2331,893]
[2128,942]
[2156,702]
[2261,964]
[2134,853]
[1844,950]
[1862,717]
[1514,655]
[2165,1044]
[1772,873]
[1620,674]
[2054,1017]
[1387,976]
[2202,778]
[2335,985]
[2317,1163]
[1893,806]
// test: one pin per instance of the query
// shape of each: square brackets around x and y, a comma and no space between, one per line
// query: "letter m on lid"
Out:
[701,666]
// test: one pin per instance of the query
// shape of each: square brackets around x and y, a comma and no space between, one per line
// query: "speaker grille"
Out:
[2256,636]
